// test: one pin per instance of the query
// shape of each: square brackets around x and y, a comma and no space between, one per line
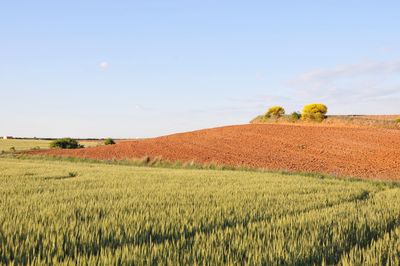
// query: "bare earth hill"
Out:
[341,151]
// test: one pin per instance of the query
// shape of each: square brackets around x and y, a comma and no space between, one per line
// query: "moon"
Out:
[103,65]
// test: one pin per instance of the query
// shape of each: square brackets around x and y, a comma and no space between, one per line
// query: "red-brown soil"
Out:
[341,151]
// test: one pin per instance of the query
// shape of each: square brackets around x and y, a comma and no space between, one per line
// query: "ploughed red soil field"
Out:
[340,151]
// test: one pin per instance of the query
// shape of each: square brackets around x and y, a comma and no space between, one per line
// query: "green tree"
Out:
[295,116]
[275,112]
[109,141]
[65,143]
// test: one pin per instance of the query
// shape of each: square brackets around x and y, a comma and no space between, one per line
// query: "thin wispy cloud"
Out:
[322,76]
[385,49]
[352,83]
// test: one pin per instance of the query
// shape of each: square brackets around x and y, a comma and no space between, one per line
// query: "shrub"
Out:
[275,111]
[258,119]
[65,143]
[314,112]
[109,141]
[398,120]
[12,149]
[72,174]
[295,116]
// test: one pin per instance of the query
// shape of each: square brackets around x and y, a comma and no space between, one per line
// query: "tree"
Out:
[314,112]
[65,143]
[109,141]
[275,112]
[295,116]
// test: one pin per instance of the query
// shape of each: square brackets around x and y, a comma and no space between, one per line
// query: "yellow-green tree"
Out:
[314,112]
[275,111]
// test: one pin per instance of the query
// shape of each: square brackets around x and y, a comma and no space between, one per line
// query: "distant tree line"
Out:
[311,112]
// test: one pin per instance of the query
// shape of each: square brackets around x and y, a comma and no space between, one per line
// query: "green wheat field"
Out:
[63,213]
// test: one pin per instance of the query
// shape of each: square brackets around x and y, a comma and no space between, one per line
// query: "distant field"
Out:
[23,144]
[369,121]
[382,117]
[55,212]
[29,144]
[372,121]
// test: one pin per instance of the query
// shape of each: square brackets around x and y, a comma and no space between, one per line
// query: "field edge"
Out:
[158,162]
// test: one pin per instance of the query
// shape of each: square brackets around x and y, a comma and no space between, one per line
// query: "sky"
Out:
[127,69]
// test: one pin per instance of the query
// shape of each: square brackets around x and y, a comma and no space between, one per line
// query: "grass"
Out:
[15,145]
[88,213]
[146,161]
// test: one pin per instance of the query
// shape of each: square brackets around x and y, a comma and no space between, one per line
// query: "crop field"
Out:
[7,145]
[59,212]
[23,144]
[338,151]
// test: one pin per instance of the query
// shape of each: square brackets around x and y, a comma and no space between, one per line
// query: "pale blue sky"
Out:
[93,68]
